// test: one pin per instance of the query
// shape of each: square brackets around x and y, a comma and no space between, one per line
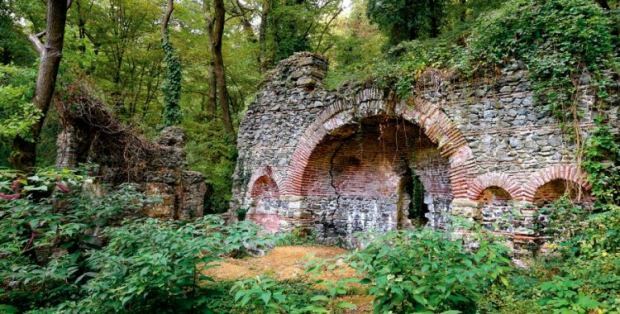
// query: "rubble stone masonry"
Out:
[340,162]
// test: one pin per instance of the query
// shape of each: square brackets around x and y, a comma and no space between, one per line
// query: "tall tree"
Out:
[212,92]
[407,19]
[172,83]
[262,35]
[289,26]
[215,16]
[24,150]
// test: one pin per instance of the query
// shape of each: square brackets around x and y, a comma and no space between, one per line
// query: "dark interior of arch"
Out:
[378,174]
[555,189]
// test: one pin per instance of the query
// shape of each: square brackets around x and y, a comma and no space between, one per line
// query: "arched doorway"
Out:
[362,177]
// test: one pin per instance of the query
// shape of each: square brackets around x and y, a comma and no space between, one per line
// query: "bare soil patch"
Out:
[290,263]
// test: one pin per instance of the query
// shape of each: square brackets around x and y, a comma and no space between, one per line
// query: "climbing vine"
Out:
[602,162]
[172,84]
[558,40]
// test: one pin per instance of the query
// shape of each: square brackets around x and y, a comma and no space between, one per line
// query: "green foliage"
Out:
[578,232]
[65,249]
[288,24]
[357,46]
[17,113]
[298,236]
[602,163]
[266,295]
[212,152]
[569,286]
[42,183]
[43,242]
[245,237]
[172,84]
[407,19]
[578,274]
[259,295]
[422,270]
[148,265]
[298,25]
[557,39]
[14,47]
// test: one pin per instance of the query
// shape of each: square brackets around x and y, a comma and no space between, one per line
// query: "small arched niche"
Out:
[555,189]
[496,208]
[265,188]
[265,204]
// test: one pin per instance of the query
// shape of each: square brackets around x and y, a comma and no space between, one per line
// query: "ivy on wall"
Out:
[172,84]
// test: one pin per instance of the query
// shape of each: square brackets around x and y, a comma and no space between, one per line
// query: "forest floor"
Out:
[291,263]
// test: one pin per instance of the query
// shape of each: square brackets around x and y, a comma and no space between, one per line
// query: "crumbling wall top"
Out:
[302,69]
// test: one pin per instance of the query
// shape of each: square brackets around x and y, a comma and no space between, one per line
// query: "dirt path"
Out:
[290,263]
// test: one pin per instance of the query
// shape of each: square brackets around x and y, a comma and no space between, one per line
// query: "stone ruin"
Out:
[345,161]
[91,134]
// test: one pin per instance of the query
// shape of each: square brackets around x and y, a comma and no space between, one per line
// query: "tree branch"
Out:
[35,39]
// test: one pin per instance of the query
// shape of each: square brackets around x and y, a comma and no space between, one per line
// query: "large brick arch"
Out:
[494,179]
[371,102]
[567,172]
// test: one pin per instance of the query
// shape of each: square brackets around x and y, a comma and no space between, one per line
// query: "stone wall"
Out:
[340,160]
[92,134]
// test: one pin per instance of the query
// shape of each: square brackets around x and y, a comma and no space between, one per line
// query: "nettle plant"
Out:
[424,271]
[46,229]
[266,295]
[65,249]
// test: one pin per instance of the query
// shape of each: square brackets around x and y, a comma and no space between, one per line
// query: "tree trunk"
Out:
[211,96]
[212,93]
[164,24]
[604,4]
[262,37]
[24,151]
[463,8]
[81,27]
[172,84]
[218,60]
[435,18]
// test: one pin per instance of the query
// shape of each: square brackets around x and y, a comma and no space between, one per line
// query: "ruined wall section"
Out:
[290,99]
[506,129]
[92,134]
[485,133]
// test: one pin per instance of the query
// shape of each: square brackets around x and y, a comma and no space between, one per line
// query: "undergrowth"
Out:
[67,250]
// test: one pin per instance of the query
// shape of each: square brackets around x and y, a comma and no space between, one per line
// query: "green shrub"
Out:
[298,236]
[17,112]
[266,295]
[148,265]
[63,249]
[43,242]
[422,270]
[583,278]
[602,163]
